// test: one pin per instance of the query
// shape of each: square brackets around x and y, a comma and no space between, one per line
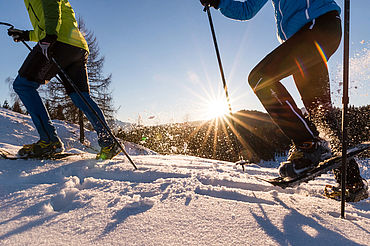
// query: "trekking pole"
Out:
[7,24]
[206,9]
[345,101]
[71,83]
[12,27]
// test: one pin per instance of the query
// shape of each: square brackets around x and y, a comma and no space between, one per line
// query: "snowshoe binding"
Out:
[304,157]
[41,149]
[354,193]
[108,152]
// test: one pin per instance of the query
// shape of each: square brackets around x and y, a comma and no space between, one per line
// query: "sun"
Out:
[216,108]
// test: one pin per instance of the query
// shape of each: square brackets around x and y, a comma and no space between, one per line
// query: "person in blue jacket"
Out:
[310,32]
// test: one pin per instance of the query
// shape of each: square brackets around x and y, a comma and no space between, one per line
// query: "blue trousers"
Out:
[104,139]
[27,92]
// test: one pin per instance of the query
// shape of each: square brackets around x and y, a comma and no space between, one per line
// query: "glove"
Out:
[19,35]
[212,3]
[46,44]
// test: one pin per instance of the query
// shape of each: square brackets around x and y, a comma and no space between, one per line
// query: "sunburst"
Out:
[216,108]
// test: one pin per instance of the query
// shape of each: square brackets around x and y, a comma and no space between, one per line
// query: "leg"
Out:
[265,82]
[304,56]
[322,114]
[27,92]
[78,74]
[312,78]
[314,87]
[103,135]
[36,70]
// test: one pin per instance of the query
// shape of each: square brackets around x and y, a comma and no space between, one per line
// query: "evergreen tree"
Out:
[59,114]
[17,107]
[17,104]
[6,104]
[99,84]
[62,107]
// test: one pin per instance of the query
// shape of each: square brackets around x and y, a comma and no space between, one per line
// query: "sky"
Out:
[163,62]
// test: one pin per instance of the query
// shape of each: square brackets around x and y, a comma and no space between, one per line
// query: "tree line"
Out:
[260,138]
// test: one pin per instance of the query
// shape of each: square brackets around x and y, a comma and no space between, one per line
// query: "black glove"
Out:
[19,35]
[212,3]
[46,44]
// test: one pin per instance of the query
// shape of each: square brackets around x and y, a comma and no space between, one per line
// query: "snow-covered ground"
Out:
[170,200]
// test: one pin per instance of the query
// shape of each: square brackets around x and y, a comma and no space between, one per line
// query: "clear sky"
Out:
[163,62]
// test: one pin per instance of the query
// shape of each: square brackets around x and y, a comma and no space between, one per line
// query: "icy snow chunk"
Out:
[66,198]
[48,208]
[138,201]
[72,182]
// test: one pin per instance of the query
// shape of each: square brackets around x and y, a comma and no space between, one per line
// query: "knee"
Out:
[19,84]
[261,77]
[75,99]
[78,101]
[22,84]
[254,79]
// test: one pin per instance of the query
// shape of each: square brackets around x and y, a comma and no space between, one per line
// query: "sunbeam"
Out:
[216,108]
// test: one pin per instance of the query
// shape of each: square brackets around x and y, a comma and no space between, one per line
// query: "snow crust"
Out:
[170,200]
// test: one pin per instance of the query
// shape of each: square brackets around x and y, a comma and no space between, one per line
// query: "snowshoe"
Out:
[322,167]
[41,149]
[354,193]
[304,157]
[108,152]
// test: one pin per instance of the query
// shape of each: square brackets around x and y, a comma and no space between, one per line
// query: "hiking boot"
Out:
[109,152]
[304,157]
[354,192]
[41,149]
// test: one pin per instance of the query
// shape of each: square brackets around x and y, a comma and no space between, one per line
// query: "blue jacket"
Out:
[290,15]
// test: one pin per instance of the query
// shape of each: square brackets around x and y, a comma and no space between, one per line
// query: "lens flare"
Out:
[322,53]
[216,108]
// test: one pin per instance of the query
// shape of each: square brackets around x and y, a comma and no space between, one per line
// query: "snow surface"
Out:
[170,200]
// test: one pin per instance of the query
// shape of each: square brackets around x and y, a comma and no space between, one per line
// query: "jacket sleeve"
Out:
[32,36]
[241,10]
[52,14]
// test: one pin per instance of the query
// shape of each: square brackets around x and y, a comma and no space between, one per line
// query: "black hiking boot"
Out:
[354,192]
[304,157]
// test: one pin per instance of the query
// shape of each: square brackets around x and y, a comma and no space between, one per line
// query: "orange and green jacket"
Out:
[54,17]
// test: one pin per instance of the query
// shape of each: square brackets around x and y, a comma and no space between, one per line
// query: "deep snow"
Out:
[170,200]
